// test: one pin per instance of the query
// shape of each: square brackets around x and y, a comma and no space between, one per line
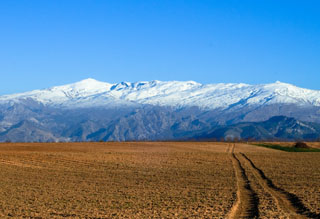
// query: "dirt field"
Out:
[162,180]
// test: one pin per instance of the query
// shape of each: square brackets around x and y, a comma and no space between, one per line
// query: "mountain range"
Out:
[91,110]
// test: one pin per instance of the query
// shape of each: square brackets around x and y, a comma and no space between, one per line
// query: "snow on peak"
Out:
[88,82]
[90,92]
[81,89]
[87,85]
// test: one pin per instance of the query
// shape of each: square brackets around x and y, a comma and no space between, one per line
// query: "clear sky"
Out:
[48,43]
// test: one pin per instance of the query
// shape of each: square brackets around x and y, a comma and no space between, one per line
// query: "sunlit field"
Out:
[156,179]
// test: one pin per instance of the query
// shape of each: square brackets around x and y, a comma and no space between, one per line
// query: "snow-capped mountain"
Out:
[90,92]
[91,110]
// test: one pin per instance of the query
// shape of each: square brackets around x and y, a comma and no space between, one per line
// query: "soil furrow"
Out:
[228,150]
[288,202]
[247,202]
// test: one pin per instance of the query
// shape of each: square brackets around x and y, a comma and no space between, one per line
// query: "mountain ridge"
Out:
[280,128]
[91,110]
[177,94]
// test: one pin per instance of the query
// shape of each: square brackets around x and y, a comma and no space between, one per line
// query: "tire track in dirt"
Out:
[287,202]
[228,150]
[247,202]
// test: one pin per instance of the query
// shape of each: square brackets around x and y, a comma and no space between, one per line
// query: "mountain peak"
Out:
[90,92]
[88,81]
[88,84]
[281,84]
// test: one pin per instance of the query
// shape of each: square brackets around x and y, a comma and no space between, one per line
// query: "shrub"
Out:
[300,144]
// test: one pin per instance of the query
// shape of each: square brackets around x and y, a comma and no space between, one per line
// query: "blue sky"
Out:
[47,43]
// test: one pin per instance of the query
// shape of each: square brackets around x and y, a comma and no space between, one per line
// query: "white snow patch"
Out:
[90,92]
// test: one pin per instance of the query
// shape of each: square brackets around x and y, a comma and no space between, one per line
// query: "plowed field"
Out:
[158,179]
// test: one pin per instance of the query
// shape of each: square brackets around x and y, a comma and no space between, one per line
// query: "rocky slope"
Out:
[90,110]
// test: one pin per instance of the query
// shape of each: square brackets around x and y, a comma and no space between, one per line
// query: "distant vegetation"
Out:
[298,147]
[301,145]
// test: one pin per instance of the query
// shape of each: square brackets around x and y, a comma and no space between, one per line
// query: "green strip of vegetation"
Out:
[288,149]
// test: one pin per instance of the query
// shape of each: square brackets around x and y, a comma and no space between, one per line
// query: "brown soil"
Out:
[247,202]
[296,176]
[259,197]
[157,180]
[119,180]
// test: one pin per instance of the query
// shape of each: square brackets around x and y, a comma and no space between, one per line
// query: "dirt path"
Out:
[257,196]
[229,148]
[289,204]
[247,202]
